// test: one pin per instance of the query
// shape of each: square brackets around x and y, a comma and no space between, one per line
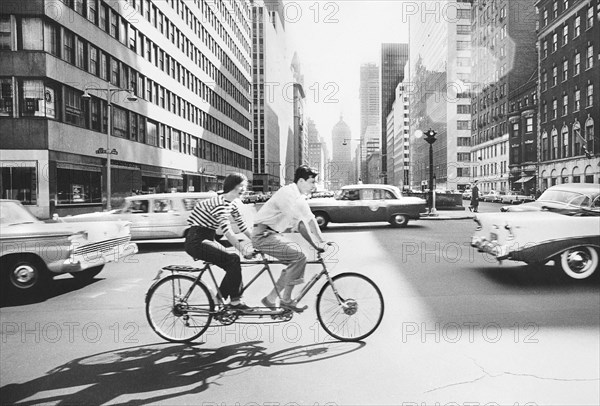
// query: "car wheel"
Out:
[399,220]
[579,262]
[88,274]
[27,274]
[322,220]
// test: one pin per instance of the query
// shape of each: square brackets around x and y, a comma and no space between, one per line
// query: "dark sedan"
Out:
[367,203]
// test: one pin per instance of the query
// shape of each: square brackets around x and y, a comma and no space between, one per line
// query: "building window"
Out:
[6,97]
[565,35]
[544,81]
[577,150]
[590,56]
[577,100]
[51,33]
[565,140]
[463,124]
[545,146]
[19,182]
[119,122]
[590,95]
[95,106]
[151,131]
[103,65]
[5,33]
[544,111]
[102,16]
[123,37]
[545,17]
[114,71]
[74,112]
[76,186]
[545,48]
[93,62]
[554,144]
[175,141]
[589,135]
[565,70]
[92,11]
[555,8]
[80,57]
[529,124]
[554,42]
[577,64]
[463,157]
[554,109]
[133,127]
[590,18]
[133,39]
[68,46]
[554,75]
[114,25]
[577,27]
[565,105]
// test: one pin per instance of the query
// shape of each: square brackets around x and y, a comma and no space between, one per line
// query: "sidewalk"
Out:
[450,215]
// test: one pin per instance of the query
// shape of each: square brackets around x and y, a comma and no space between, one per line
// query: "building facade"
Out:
[504,59]
[569,92]
[300,142]
[340,171]
[393,59]
[439,89]
[188,64]
[273,98]
[522,137]
[317,154]
[399,166]
[370,121]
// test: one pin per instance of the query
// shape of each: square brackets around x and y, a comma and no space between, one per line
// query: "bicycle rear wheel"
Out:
[171,315]
[357,313]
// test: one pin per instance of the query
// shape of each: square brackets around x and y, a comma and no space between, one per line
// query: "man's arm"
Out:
[310,231]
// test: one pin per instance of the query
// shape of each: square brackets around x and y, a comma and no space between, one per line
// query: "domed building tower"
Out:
[340,168]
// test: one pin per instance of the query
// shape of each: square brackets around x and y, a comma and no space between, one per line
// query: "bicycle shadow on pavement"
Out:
[161,370]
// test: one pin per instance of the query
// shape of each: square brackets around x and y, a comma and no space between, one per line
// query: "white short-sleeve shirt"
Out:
[285,209]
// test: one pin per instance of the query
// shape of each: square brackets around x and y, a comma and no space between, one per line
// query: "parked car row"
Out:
[255,197]
[562,225]
[499,197]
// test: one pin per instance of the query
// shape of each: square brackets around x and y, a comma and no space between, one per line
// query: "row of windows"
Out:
[545,15]
[576,70]
[110,21]
[515,127]
[576,105]
[489,133]
[84,55]
[39,99]
[569,143]
[565,35]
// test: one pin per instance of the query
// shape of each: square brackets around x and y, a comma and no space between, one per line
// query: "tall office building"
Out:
[274,153]
[569,92]
[393,59]
[317,153]
[504,60]
[341,165]
[370,121]
[439,88]
[300,141]
[399,138]
[188,63]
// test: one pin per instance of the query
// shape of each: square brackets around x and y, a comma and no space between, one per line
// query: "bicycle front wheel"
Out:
[178,309]
[355,312]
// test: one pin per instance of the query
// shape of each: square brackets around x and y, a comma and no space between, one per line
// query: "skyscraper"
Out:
[341,165]
[393,60]
[369,95]
[439,87]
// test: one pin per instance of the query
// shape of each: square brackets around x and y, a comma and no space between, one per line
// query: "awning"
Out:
[524,179]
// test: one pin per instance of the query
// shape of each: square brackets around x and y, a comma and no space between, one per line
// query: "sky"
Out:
[333,39]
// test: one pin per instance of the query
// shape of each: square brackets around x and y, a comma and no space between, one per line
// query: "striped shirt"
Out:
[214,213]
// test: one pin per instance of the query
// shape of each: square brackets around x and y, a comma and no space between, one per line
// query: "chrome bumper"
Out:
[80,262]
[482,244]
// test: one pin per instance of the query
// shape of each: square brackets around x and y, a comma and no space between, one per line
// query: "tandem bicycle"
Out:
[180,307]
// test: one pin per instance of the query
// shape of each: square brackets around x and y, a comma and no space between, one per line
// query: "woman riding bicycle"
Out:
[206,218]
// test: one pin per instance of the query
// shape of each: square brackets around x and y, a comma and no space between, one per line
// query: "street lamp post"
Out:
[360,164]
[109,152]
[430,138]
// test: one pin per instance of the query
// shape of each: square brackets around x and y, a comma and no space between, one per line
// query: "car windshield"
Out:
[566,197]
[13,213]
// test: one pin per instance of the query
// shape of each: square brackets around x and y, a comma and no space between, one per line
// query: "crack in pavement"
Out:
[488,374]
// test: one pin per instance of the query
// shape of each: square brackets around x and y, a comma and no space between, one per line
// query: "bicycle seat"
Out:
[203,262]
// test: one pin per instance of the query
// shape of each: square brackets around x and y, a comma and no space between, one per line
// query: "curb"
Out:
[442,217]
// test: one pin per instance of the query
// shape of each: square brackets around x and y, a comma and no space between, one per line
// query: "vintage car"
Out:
[515,198]
[466,195]
[32,251]
[570,237]
[152,216]
[366,203]
[563,197]
[491,196]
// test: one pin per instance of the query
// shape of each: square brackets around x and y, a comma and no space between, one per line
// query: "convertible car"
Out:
[367,203]
[32,251]
[567,234]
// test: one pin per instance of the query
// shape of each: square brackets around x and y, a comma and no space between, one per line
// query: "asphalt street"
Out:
[458,328]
